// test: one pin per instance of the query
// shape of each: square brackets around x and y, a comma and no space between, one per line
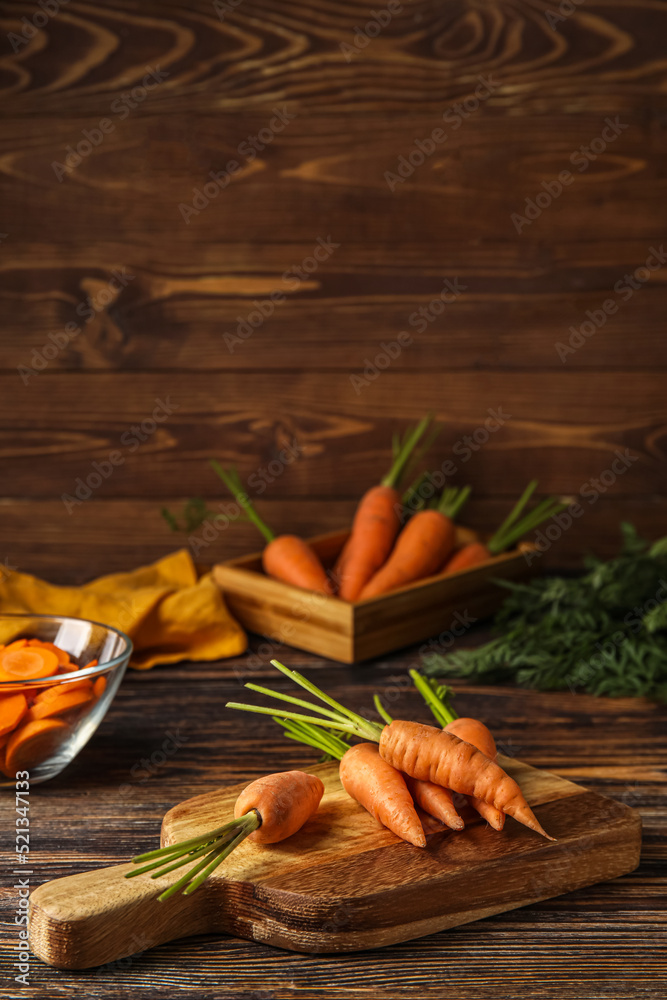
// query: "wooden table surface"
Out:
[604,941]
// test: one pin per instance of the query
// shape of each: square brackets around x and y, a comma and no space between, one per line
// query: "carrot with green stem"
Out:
[471,730]
[433,799]
[285,557]
[419,751]
[422,547]
[268,810]
[510,531]
[373,783]
[376,522]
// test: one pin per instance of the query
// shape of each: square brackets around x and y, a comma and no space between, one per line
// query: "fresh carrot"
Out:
[269,809]
[99,687]
[510,531]
[29,728]
[425,542]
[471,730]
[284,802]
[382,791]
[12,709]
[436,755]
[57,691]
[61,655]
[376,523]
[60,704]
[436,801]
[16,644]
[421,752]
[285,557]
[33,743]
[27,663]
[375,785]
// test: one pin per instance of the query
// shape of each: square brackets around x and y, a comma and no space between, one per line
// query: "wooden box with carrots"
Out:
[403,573]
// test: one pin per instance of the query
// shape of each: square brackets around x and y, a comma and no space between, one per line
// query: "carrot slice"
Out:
[33,743]
[63,657]
[48,694]
[59,705]
[99,687]
[28,663]
[17,644]
[68,668]
[12,710]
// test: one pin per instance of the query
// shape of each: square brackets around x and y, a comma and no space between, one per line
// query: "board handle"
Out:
[98,917]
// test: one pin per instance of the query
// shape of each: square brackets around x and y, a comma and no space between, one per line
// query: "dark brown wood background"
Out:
[323,176]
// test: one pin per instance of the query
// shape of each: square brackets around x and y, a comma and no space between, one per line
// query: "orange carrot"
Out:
[375,786]
[382,791]
[60,704]
[419,751]
[510,531]
[62,656]
[268,810]
[476,733]
[421,549]
[12,709]
[376,523]
[33,743]
[27,663]
[374,529]
[291,559]
[472,731]
[284,802]
[435,755]
[436,801]
[17,644]
[285,557]
[99,687]
[57,690]
[473,554]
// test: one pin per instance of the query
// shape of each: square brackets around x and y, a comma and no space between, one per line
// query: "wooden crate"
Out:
[350,632]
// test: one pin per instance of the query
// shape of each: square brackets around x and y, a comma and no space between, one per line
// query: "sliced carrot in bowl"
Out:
[28,663]
[58,690]
[60,704]
[33,743]
[12,709]
[99,687]
[17,644]
[63,657]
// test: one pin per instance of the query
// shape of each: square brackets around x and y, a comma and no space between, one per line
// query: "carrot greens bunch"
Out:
[604,632]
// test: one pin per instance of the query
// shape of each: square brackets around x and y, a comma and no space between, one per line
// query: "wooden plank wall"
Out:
[169,285]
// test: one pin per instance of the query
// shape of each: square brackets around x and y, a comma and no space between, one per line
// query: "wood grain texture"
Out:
[342,883]
[522,298]
[612,932]
[326,176]
[259,53]
[348,122]
[548,427]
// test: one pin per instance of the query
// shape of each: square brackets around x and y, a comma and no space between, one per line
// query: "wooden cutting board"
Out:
[343,883]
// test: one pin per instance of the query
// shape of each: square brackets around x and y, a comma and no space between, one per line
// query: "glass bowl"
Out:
[43,746]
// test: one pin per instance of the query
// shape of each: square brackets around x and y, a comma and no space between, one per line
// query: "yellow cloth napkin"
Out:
[166,610]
